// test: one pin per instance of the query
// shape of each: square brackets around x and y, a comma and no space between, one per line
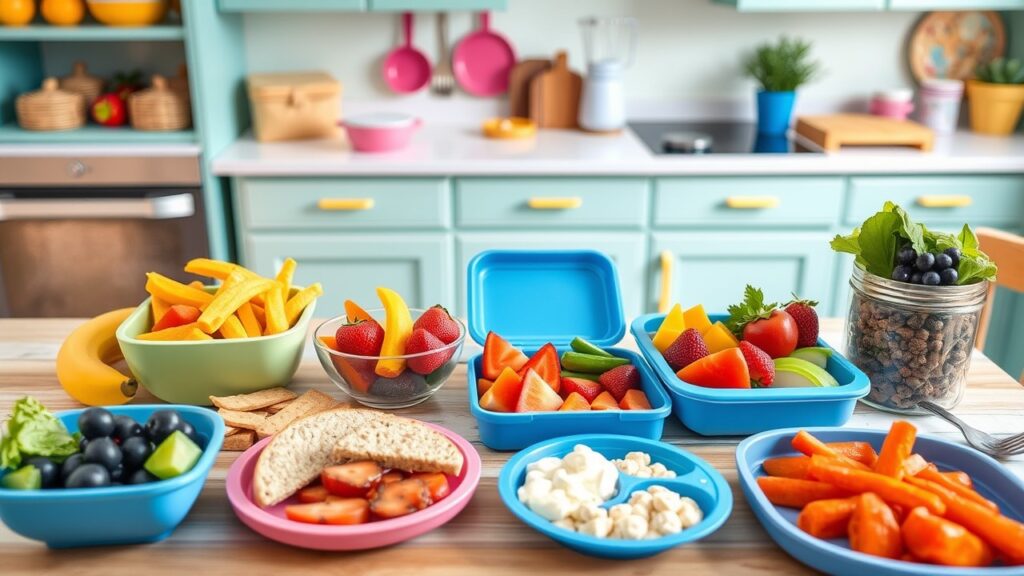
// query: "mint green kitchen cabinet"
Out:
[351,266]
[956,4]
[711,268]
[946,201]
[435,5]
[804,5]
[626,249]
[292,5]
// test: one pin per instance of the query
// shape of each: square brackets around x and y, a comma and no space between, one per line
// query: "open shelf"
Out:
[90,32]
[91,134]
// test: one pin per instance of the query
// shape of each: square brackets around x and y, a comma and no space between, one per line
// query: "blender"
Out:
[609,44]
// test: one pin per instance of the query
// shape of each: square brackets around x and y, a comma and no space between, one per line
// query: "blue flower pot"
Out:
[774,110]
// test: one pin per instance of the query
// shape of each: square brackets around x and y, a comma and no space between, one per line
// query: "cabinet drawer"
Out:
[551,202]
[343,203]
[747,202]
[948,201]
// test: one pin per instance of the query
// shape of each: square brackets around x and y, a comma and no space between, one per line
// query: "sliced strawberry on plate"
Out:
[499,354]
[686,349]
[311,494]
[574,401]
[537,395]
[360,338]
[440,323]
[586,388]
[388,477]
[634,400]
[620,379]
[504,393]
[400,498]
[546,364]
[604,401]
[724,369]
[437,484]
[759,364]
[353,479]
[422,341]
[343,511]
[177,315]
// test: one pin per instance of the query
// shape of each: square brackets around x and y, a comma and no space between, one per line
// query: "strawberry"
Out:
[351,480]
[686,349]
[759,363]
[806,319]
[586,388]
[363,338]
[619,380]
[423,341]
[400,498]
[440,323]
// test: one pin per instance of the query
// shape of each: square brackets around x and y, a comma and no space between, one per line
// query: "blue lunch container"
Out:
[532,297]
[66,518]
[725,412]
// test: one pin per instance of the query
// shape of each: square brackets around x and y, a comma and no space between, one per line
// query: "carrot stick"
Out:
[787,466]
[940,541]
[862,452]
[873,528]
[898,445]
[796,493]
[889,489]
[958,476]
[827,518]
[914,464]
[932,474]
[804,442]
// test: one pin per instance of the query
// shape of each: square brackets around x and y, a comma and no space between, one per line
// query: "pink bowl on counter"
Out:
[272,523]
[380,132]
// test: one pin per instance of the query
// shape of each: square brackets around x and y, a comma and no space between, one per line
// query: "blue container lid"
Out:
[532,297]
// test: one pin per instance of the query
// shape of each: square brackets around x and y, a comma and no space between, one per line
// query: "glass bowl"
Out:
[356,377]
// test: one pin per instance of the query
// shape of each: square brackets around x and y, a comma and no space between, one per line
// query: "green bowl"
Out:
[189,372]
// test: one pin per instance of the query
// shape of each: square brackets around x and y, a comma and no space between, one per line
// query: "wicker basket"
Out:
[294,105]
[81,82]
[50,108]
[159,108]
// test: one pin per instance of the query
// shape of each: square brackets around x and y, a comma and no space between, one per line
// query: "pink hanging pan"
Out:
[482,61]
[406,69]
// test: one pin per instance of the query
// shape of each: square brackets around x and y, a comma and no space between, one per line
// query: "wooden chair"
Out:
[1007,251]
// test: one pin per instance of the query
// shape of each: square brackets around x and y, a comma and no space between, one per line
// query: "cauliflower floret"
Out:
[643,473]
[666,523]
[566,523]
[689,513]
[607,482]
[600,527]
[657,489]
[631,527]
[620,511]
[641,511]
[658,470]
[535,475]
[545,465]
[666,501]
[641,458]
[589,512]
[628,466]
[641,498]
[575,461]
[552,506]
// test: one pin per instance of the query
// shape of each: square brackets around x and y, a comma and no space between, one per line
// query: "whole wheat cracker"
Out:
[253,401]
[275,408]
[240,441]
[309,403]
[247,420]
[229,430]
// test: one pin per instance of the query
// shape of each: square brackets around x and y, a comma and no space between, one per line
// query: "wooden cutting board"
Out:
[519,85]
[833,131]
[555,96]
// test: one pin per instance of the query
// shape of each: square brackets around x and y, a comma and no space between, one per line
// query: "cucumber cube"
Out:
[27,477]
[173,457]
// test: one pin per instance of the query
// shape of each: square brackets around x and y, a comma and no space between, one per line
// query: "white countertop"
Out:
[459,149]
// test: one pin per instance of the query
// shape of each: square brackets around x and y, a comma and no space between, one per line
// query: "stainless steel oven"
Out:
[77,235]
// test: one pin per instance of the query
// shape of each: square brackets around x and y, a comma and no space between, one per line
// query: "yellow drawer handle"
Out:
[944,201]
[344,204]
[564,203]
[752,202]
[664,299]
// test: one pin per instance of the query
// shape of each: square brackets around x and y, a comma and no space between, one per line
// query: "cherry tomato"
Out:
[776,335]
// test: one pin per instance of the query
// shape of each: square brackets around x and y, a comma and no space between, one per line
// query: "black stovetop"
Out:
[726,137]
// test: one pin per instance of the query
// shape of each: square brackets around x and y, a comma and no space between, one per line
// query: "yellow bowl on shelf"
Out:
[128,12]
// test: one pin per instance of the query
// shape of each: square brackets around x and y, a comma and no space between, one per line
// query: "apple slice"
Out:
[796,373]
[817,355]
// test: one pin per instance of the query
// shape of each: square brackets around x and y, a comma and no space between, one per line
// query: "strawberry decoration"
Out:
[806,319]
[759,364]
[619,380]
[440,323]
[362,338]
[686,349]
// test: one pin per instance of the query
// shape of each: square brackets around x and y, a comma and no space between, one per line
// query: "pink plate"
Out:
[271,522]
[482,61]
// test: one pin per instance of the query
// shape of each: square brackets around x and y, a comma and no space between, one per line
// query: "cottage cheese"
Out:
[639,464]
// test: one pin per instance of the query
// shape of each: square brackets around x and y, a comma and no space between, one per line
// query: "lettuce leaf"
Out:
[33,431]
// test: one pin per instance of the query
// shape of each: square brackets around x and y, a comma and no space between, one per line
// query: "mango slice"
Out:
[719,338]
[670,328]
[697,318]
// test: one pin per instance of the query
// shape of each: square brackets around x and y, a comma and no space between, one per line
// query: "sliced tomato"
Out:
[176,315]
[546,364]
[351,480]
[400,498]
[437,484]
[343,511]
[503,395]
[499,354]
[311,494]
[537,396]
[388,477]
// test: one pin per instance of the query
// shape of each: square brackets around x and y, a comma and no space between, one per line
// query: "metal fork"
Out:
[996,447]
[442,82]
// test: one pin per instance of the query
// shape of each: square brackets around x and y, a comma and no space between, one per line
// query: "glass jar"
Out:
[914,342]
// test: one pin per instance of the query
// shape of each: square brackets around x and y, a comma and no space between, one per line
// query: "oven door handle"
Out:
[152,208]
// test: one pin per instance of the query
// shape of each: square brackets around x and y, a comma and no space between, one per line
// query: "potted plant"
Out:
[780,69]
[996,96]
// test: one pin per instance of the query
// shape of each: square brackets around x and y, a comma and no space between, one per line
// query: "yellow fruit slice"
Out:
[670,329]
[159,307]
[296,304]
[174,292]
[233,328]
[184,332]
[83,362]
[229,300]
[719,338]
[697,318]
[276,321]
[397,329]
[285,276]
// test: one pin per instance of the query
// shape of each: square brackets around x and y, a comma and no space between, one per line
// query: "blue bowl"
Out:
[695,478]
[725,412]
[991,479]
[66,518]
[514,431]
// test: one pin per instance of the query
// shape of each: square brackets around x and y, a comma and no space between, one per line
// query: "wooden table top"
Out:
[485,536]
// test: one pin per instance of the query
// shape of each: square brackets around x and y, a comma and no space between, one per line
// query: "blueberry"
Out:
[88,476]
[915,278]
[48,471]
[96,423]
[948,276]
[925,262]
[140,476]
[901,273]
[82,443]
[126,427]
[161,424]
[70,464]
[942,261]
[105,452]
[135,451]
[953,253]
[190,431]
[930,278]
[906,255]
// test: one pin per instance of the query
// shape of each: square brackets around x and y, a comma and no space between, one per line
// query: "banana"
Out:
[83,362]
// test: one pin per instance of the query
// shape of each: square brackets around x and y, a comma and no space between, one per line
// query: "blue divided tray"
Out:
[695,478]
[991,480]
[716,411]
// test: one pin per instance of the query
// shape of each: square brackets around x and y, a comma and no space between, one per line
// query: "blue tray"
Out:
[64,518]
[532,297]
[718,412]
[695,478]
[991,479]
